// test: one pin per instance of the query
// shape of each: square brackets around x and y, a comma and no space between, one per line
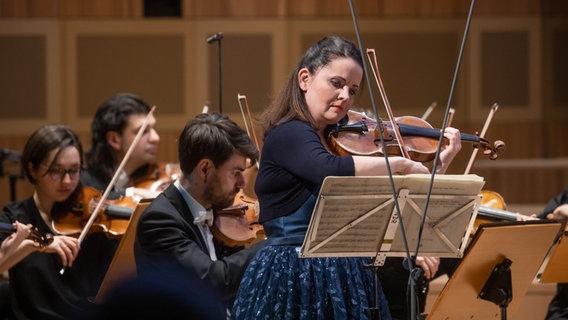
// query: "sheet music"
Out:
[345,229]
[356,216]
[440,235]
[446,184]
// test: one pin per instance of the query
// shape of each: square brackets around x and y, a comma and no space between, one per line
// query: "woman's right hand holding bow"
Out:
[65,247]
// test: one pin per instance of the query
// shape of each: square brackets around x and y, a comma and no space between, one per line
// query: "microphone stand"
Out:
[435,164]
[373,311]
[220,79]
[410,260]
[217,38]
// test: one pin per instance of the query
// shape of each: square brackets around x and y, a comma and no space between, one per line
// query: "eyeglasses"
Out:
[58,173]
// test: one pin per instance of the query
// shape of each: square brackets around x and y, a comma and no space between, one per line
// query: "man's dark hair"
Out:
[215,137]
[112,115]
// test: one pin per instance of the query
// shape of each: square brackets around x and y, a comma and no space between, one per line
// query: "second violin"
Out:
[238,225]
[113,222]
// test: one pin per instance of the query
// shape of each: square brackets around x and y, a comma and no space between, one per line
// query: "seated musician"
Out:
[8,253]
[113,129]
[52,161]
[557,208]
[175,229]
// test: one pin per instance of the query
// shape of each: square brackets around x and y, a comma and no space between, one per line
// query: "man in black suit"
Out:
[175,229]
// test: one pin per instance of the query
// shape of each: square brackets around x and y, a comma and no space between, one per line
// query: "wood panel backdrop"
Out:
[59,59]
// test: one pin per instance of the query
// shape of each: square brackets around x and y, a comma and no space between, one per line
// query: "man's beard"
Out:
[218,202]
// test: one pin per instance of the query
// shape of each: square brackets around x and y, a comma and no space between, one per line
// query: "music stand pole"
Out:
[373,312]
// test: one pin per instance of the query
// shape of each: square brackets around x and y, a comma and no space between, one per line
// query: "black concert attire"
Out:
[558,308]
[37,288]
[168,235]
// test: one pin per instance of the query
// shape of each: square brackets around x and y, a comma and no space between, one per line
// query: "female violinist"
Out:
[52,161]
[294,162]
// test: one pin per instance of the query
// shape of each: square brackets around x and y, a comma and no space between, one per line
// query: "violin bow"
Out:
[242,98]
[494,109]
[450,116]
[376,73]
[429,110]
[205,108]
[113,180]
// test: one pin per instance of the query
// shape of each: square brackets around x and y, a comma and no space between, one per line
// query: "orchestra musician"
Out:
[8,253]
[113,129]
[294,162]
[52,162]
[557,208]
[8,258]
[175,229]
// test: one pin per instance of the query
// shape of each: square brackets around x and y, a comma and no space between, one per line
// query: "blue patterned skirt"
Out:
[278,284]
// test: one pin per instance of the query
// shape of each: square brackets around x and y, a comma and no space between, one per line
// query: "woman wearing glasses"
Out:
[52,162]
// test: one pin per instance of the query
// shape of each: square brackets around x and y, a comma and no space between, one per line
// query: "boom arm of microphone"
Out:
[216,37]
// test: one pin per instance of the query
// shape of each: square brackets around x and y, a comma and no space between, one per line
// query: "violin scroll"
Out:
[42,240]
[494,150]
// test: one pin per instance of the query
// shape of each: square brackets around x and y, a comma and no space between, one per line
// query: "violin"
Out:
[42,240]
[238,225]
[113,223]
[358,134]
[155,179]
[83,222]
[493,208]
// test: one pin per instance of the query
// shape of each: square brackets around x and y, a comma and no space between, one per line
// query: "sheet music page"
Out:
[355,225]
[353,213]
[439,235]
[418,183]
[445,184]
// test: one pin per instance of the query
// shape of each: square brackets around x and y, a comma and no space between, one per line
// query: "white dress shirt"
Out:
[199,213]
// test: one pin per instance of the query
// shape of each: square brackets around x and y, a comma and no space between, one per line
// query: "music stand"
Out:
[495,246]
[123,264]
[336,228]
[557,264]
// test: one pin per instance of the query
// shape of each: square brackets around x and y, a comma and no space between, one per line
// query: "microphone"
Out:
[216,37]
